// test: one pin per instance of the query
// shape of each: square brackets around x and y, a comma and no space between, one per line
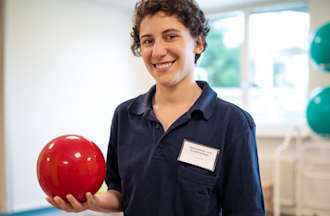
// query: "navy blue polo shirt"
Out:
[142,160]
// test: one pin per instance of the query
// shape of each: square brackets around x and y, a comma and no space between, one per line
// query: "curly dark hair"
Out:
[187,11]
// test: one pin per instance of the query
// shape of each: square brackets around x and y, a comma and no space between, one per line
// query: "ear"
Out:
[199,45]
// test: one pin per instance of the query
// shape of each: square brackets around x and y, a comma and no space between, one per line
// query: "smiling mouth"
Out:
[164,65]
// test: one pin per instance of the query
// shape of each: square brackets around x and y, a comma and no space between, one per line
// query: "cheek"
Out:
[187,51]
[188,55]
[192,52]
[146,60]
[145,56]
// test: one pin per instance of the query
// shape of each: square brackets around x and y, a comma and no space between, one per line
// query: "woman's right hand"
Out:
[107,202]
[72,204]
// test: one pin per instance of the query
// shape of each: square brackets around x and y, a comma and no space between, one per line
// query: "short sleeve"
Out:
[242,193]
[112,178]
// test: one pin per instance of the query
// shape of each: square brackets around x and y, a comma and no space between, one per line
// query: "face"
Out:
[168,49]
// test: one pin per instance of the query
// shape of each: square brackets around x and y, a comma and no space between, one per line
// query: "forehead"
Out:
[159,22]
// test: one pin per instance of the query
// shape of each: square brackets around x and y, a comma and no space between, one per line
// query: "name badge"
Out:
[199,155]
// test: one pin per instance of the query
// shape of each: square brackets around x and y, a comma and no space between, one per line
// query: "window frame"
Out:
[265,129]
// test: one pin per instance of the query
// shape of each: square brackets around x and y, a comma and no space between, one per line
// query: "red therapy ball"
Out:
[70,164]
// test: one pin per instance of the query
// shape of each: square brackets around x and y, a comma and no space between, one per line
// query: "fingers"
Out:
[91,201]
[62,204]
[75,204]
[51,201]
[71,205]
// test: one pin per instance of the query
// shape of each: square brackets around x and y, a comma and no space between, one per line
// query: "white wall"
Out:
[67,66]
[2,147]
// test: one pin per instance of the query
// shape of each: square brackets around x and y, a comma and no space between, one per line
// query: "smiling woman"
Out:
[178,149]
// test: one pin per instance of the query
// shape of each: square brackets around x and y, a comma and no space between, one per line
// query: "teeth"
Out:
[165,65]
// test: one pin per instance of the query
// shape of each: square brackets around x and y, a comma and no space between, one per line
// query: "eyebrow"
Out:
[164,32]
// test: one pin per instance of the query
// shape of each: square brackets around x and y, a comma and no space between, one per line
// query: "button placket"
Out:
[158,133]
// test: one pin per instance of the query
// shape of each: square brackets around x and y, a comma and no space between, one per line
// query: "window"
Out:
[259,61]
[221,60]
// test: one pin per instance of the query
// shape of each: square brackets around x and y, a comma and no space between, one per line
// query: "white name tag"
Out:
[198,155]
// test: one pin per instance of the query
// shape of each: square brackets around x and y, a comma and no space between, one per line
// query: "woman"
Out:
[178,149]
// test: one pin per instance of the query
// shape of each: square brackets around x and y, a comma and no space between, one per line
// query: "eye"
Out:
[171,37]
[147,42]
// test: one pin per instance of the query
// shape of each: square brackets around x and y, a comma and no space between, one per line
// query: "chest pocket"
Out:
[194,191]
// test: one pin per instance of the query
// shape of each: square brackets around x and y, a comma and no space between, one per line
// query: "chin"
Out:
[168,82]
[165,82]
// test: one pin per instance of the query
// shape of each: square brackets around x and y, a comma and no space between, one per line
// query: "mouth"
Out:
[163,65]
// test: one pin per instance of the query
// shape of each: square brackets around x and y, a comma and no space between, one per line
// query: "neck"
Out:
[187,91]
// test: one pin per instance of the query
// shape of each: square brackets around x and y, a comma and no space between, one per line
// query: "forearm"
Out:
[110,201]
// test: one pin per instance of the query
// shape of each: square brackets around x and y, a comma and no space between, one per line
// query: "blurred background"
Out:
[66,64]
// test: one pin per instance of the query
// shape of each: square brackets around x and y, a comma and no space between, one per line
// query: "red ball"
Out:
[70,164]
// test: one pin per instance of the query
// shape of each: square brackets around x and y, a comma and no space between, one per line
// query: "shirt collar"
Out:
[143,103]
[204,104]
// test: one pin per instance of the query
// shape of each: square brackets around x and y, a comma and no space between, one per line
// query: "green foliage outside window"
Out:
[221,63]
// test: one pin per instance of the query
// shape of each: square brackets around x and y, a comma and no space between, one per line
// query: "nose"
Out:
[158,49]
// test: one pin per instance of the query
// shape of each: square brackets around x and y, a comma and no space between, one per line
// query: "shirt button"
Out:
[157,126]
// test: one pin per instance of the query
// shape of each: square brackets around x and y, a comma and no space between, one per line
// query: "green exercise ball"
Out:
[320,47]
[318,112]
